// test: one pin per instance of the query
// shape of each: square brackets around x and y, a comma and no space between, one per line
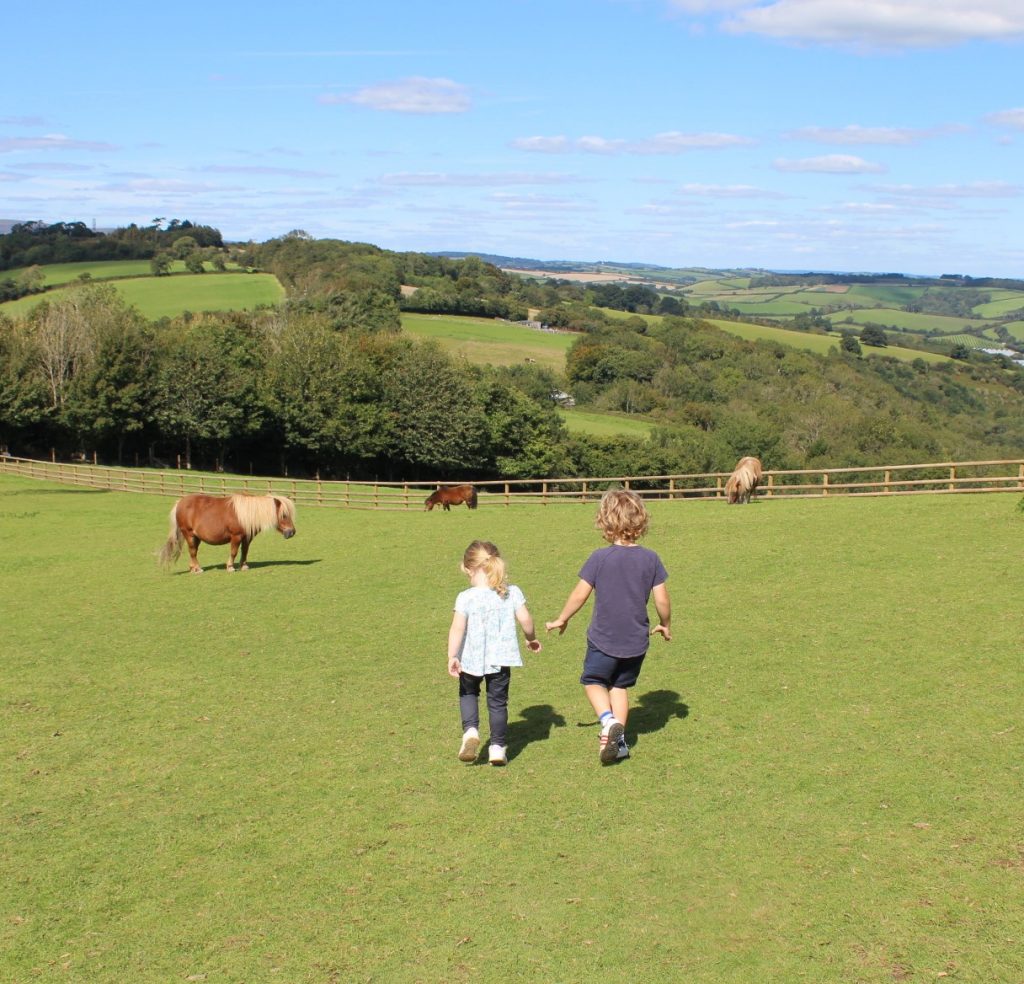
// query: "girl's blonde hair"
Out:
[484,555]
[622,515]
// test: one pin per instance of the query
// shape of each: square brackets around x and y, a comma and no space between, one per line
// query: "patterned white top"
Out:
[491,640]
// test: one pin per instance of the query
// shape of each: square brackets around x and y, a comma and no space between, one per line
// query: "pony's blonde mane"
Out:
[744,480]
[260,512]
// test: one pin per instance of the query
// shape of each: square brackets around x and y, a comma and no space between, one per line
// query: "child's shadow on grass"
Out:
[536,724]
[652,712]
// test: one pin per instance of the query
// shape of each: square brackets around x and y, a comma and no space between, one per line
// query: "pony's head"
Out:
[431,500]
[285,516]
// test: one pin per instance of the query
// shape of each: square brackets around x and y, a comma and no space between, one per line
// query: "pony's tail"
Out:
[171,549]
[472,498]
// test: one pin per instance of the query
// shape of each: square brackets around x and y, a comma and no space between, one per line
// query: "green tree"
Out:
[873,335]
[160,264]
[848,342]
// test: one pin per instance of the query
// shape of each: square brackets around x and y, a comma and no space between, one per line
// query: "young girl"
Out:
[623,576]
[483,645]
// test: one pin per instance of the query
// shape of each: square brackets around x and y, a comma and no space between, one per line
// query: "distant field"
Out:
[167,297]
[64,273]
[817,343]
[1016,329]
[1002,303]
[487,340]
[908,320]
[605,425]
[882,294]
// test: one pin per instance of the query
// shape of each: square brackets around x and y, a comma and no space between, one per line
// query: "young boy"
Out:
[623,576]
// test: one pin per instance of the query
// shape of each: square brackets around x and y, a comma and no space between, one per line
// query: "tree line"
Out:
[327,384]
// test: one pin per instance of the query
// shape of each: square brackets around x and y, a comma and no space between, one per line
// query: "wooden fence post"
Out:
[952,478]
[885,484]
[771,486]
[824,483]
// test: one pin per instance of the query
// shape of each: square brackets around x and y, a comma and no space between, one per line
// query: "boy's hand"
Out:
[533,645]
[664,631]
[454,667]
[558,623]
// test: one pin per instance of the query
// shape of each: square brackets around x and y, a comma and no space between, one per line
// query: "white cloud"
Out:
[1013,118]
[974,189]
[671,142]
[728,191]
[829,164]
[868,23]
[289,172]
[497,180]
[52,141]
[22,121]
[855,134]
[411,95]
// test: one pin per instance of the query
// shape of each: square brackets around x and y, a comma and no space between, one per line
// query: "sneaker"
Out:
[496,755]
[623,750]
[611,734]
[470,745]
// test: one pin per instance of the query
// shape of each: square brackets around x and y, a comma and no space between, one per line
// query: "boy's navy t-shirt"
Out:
[622,578]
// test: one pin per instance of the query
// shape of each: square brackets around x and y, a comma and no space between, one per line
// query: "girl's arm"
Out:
[664,609]
[573,604]
[525,620]
[456,634]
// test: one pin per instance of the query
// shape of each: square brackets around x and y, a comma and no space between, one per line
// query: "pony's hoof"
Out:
[196,570]
[244,567]
[230,568]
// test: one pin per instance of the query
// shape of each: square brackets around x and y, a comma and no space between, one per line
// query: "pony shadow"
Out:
[536,724]
[253,565]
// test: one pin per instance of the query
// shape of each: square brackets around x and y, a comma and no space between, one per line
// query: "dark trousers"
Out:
[497,702]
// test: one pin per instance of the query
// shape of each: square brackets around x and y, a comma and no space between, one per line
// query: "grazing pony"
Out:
[744,480]
[452,495]
[233,519]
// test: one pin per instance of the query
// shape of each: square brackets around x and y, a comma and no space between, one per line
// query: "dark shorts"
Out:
[609,671]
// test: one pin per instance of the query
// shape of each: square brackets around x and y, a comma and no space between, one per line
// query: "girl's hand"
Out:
[454,667]
[664,631]
[558,623]
[533,645]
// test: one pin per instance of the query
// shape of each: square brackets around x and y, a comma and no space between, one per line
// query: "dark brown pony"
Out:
[452,495]
[743,482]
[233,519]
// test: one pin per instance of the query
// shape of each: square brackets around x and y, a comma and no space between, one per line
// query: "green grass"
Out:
[818,343]
[1016,329]
[248,777]
[605,425]
[908,320]
[167,297]
[63,273]
[487,340]
[1002,303]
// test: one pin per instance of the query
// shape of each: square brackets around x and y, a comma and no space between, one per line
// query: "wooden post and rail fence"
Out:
[874,480]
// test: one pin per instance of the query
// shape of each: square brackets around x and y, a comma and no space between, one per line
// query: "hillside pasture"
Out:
[1001,304]
[606,424]
[55,274]
[168,297]
[824,783]
[491,341]
[909,321]
[1016,329]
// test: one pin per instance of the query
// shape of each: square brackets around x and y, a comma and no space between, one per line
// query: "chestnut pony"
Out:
[744,480]
[452,495]
[233,519]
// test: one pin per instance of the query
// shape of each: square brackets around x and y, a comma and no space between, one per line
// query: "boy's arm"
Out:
[573,604]
[456,634]
[525,620]
[663,606]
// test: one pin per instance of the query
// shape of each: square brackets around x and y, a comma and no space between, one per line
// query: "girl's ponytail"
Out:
[484,555]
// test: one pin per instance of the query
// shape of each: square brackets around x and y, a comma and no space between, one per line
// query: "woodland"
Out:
[326,382]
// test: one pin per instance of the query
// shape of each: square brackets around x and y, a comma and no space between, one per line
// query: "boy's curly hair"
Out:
[622,515]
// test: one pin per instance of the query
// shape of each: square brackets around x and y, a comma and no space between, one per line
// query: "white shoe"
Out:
[609,743]
[470,745]
[496,755]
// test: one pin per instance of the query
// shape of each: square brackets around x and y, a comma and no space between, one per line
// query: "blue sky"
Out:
[866,135]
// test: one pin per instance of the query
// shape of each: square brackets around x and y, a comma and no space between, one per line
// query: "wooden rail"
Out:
[875,480]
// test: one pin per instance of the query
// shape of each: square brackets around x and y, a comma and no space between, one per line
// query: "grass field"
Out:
[908,320]
[252,777]
[63,273]
[487,340]
[605,425]
[167,297]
